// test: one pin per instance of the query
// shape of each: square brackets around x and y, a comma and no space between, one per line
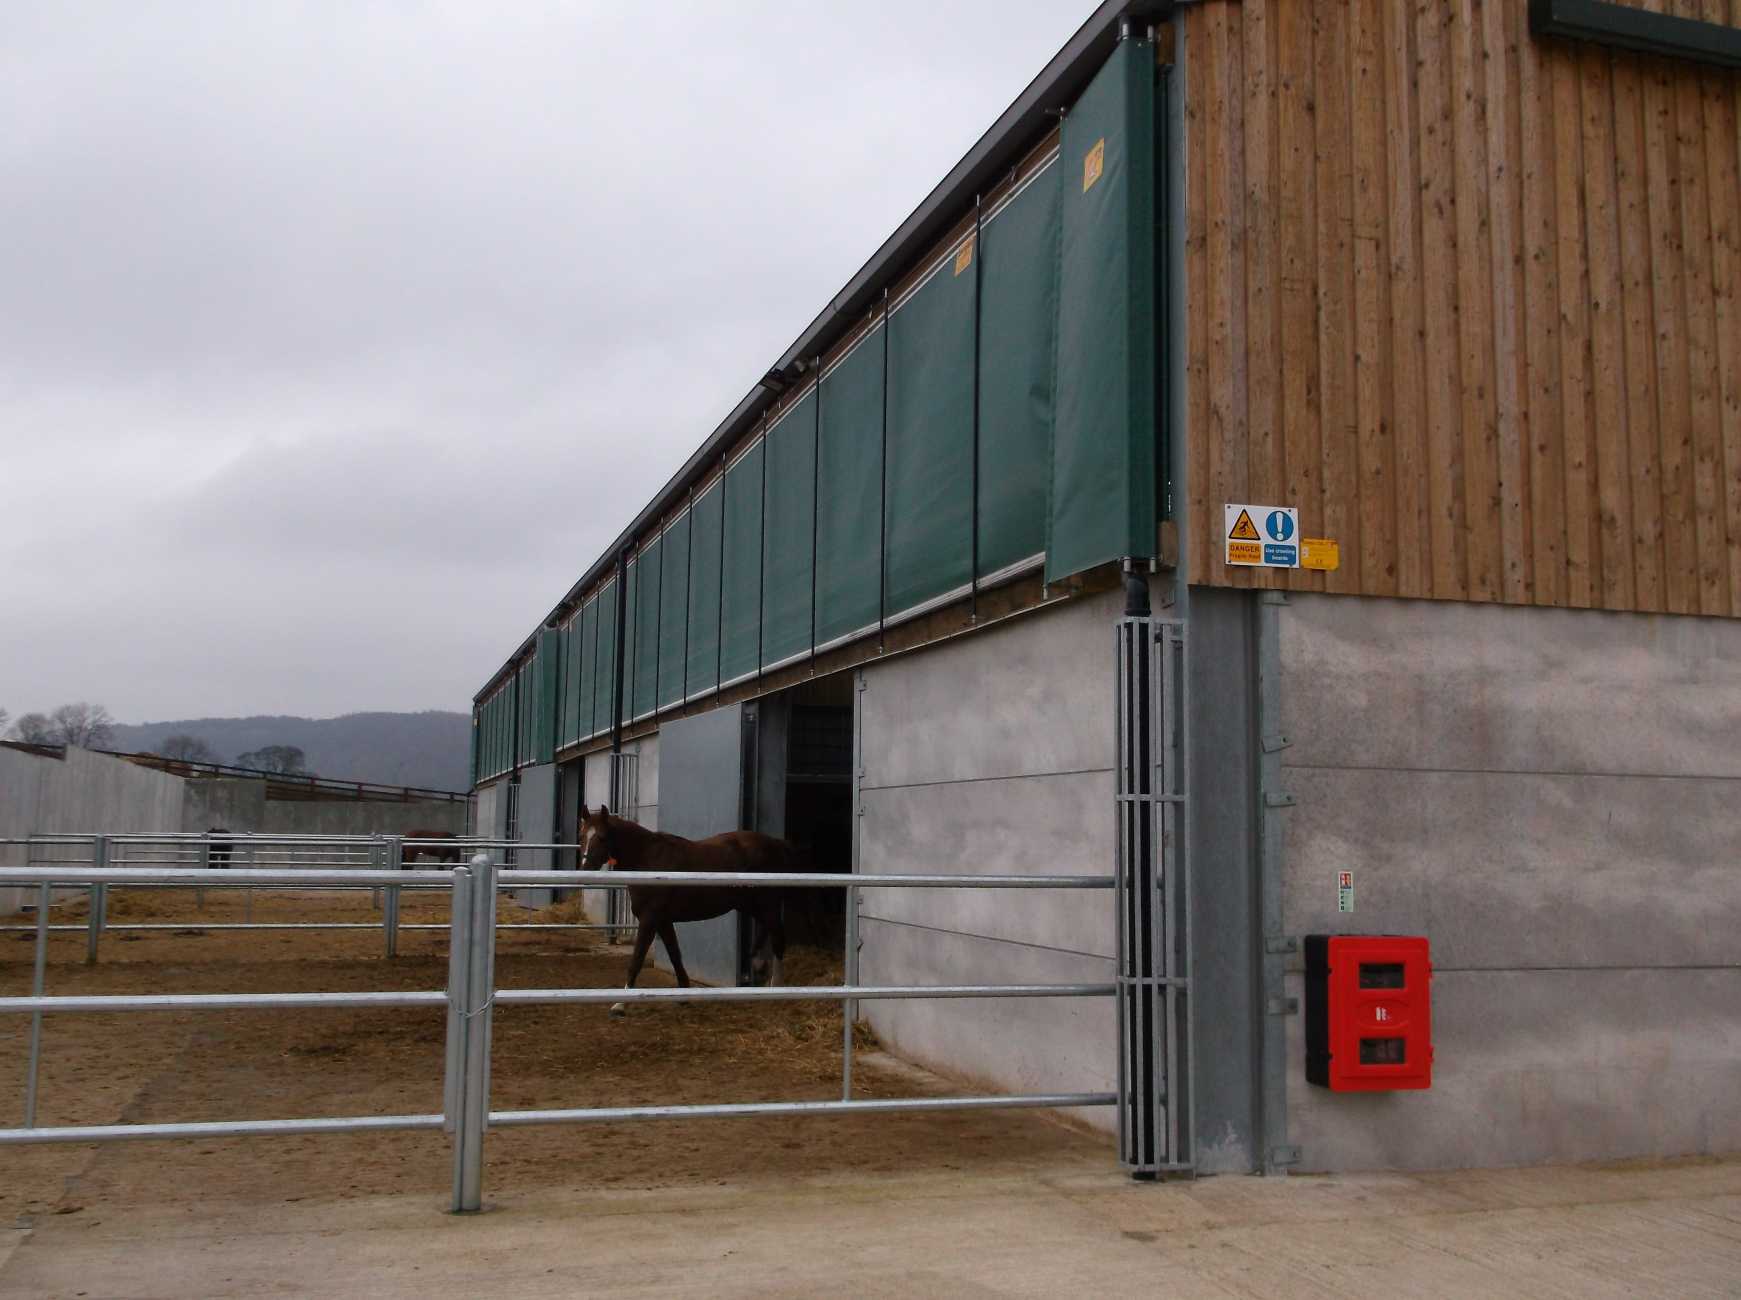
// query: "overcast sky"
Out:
[336,340]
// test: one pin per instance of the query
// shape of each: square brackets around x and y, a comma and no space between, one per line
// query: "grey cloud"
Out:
[339,338]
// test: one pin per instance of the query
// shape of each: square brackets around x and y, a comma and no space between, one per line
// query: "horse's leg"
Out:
[668,932]
[777,942]
[643,941]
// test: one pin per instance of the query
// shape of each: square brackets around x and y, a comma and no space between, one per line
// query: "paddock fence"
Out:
[99,864]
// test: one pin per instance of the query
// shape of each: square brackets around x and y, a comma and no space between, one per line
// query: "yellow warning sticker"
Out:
[1320,553]
[1245,552]
[1243,529]
[964,256]
[1094,164]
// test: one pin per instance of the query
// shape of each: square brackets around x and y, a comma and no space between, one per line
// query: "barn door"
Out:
[701,793]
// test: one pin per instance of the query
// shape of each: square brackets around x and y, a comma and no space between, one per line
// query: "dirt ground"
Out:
[184,1066]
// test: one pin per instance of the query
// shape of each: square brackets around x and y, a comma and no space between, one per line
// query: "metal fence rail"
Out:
[472,995]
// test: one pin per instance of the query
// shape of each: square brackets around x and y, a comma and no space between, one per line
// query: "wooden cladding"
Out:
[1469,299]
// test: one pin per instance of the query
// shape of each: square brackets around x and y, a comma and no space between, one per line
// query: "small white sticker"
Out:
[1344,891]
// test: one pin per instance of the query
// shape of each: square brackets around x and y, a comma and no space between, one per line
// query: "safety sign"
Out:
[1344,891]
[1265,536]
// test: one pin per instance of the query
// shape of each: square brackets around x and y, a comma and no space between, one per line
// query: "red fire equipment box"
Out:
[1369,1025]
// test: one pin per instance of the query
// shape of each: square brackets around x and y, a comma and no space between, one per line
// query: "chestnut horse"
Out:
[607,842]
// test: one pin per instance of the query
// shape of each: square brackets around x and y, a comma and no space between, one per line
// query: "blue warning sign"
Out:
[1279,524]
[1287,556]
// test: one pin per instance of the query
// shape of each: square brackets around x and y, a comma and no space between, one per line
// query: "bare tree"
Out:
[287,759]
[88,726]
[187,749]
[34,729]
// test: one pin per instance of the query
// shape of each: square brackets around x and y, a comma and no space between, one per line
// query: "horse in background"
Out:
[607,842]
[219,857]
[428,844]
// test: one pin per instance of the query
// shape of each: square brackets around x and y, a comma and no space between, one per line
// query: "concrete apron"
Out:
[1666,1229]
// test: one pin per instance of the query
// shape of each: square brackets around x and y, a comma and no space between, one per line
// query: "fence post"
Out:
[36,986]
[94,922]
[395,856]
[458,953]
[474,1095]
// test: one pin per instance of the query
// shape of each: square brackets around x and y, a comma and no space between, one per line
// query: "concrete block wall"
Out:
[1550,796]
[240,804]
[992,754]
[84,792]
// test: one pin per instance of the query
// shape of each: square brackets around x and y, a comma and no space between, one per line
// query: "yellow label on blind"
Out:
[964,256]
[1094,164]
[1319,553]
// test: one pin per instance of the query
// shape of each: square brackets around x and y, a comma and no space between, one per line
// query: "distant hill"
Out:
[430,749]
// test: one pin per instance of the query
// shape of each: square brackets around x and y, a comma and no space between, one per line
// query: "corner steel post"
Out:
[458,1022]
[36,983]
[99,900]
[395,858]
[474,1095]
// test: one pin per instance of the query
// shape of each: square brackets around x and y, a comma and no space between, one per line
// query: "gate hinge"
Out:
[1278,799]
[1272,744]
[1281,943]
[1282,1156]
[1282,1006]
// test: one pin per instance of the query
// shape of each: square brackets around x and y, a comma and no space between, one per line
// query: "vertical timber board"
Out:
[1464,296]
[788,532]
[674,611]
[741,595]
[1103,498]
[849,492]
[706,550]
[1017,335]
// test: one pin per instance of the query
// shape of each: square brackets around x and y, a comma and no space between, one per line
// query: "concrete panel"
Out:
[1011,826]
[1223,880]
[537,825]
[81,793]
[700,763]
[1000,1045]
[1549,797]
[1032,697]
[1435,684]
[1537,1066]
[1522,870]
[235,803]
[993,753]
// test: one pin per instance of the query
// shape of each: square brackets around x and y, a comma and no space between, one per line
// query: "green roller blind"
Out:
[741,582]
[706,544]
[1018,307]
[604,681]
[586,636]
[548,669]
[789,532]
[1104,448]
[631,599]
[568,715]
[849,493]
[928,510]
[646,656]
[674,612]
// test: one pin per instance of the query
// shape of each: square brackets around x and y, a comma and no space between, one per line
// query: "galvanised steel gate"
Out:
[472,996]
[1151,890]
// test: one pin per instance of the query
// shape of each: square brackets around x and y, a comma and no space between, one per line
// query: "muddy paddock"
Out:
[186,1066]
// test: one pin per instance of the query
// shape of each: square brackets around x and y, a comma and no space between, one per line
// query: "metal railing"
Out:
[229,852]
[472,996]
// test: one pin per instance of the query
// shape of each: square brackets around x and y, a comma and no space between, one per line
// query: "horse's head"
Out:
[596,852]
